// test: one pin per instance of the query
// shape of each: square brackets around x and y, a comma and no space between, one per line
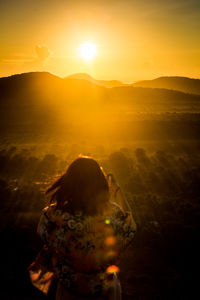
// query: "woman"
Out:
[84,233]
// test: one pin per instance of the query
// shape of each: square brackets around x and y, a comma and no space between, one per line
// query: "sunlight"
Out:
[88,51]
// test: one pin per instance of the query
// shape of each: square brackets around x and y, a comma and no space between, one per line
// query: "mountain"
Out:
[83,76]
[42,89]
[104,83]
[183,84]
[35,102]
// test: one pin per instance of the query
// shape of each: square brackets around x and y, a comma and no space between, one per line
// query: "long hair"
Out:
[82,188]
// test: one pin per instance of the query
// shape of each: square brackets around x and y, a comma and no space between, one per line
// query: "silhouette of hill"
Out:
[43,87]
[105,83]
[41,91]
[183,84]
[34,102]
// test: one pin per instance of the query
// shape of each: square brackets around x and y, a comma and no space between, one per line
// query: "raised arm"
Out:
[118,197]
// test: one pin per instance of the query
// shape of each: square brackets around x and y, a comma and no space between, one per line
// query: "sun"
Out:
[88,51]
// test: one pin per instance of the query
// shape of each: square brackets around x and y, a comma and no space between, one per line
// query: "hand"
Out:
[113,186]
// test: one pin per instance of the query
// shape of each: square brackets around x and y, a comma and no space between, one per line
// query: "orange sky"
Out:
[135,39]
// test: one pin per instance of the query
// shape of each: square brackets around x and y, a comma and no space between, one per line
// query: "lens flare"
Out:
[112,269]
[110,241]
[111,254]
[107,221]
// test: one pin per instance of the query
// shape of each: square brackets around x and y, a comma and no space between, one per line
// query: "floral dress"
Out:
[80,251]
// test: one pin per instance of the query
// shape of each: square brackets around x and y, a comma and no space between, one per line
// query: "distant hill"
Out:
[105,83]
[34,102]
[183,84]
[42,89]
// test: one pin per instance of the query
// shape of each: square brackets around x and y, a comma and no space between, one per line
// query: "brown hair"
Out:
[82,188]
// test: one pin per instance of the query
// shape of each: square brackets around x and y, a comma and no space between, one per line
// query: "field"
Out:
[161,182]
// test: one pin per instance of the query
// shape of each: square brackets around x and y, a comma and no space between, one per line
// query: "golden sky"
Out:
[135,39]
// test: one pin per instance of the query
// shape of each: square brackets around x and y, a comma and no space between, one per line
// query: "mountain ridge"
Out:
[105,83]
[45,87]
[81,80]
[184,84]
[178,83]
[41,102]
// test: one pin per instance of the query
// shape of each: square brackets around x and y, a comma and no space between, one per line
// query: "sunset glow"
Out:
[121,40]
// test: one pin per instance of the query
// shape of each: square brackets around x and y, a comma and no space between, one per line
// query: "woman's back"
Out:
[85,246]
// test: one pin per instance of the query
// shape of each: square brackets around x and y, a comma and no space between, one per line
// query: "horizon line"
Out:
[88,74]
